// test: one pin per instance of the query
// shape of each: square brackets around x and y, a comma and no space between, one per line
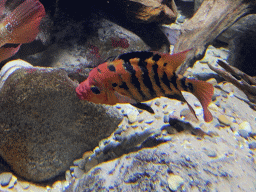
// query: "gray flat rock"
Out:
[44,126]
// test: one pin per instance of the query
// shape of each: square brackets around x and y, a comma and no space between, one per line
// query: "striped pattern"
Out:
[143,76]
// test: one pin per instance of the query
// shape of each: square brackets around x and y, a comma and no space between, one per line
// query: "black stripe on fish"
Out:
[187,87]
[124,86]
[176,96]
[166,81]
[156,57]
[134,80]
[114,84]
[174,80]
[142,55]
[190,87]
[156,77]
[146,79]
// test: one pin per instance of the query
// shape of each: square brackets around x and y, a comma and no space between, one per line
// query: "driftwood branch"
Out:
[241,80]
[211,19]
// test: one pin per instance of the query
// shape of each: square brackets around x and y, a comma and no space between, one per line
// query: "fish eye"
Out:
[95,90]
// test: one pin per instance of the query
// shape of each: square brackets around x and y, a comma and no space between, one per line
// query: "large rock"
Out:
[242,44]
[79,45]
[184,164]
[44,126]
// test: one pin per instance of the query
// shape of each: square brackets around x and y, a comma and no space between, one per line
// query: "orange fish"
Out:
[20,26]
[141,76]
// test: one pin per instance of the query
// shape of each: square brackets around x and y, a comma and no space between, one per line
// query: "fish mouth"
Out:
[79,93]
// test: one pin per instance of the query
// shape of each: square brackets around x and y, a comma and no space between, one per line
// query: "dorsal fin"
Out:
[172,62]
[143,55]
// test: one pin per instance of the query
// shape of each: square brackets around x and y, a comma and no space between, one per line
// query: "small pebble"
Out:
[96,150]
[197,104]
[24,184]
[91,163]
[252,145]
[204,60]
[217,103]
[188,115]
[158,116]
[175,182]
[216,53]
[245,126]
[187,158]
[168,109]
[224,120]
[12,182]
[157,103]
[225,95]
[141,119]
[78,173]
[213,81]
[150,121]
[243,133]
[68,175]
[199,111]
[78,162]
[209,152]
[57,186]
[184,112]
[132,116]
[166,118]
[88,153]
[118,106]
[181,19]
[5,178]
[234,127]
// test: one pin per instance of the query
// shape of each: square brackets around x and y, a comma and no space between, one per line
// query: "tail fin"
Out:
[23,23]
[203,92]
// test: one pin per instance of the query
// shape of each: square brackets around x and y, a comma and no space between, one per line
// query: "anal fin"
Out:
[180,97]
[143,106]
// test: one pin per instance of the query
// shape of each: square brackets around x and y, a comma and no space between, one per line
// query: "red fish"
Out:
[2,7]
[141,76]
[20,26]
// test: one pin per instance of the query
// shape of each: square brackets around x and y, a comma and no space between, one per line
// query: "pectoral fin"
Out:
[123,99]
